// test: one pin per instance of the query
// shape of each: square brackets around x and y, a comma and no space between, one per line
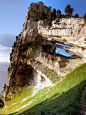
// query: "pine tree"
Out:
[54,13]
[50,19]
[69,10]
[58,14]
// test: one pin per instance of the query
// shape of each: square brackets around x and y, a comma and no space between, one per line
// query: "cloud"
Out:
[4,47]
[4,58]
[7,40]
[2,54]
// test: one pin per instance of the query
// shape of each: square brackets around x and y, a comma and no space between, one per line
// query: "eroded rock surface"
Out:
[34,50]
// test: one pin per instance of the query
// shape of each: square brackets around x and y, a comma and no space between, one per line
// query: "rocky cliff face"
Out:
[33,54]
[70,31]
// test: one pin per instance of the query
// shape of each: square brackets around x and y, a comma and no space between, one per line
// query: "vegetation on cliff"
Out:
[1,103]
[56,15]
[84,17]
[69,10]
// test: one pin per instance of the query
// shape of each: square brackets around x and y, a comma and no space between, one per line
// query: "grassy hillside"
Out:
[61,99]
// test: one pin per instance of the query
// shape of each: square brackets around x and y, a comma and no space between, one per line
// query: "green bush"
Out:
[1,103]
[84,17]
[50,23]
[76,15]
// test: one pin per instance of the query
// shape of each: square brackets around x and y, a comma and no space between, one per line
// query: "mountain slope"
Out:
[61,99]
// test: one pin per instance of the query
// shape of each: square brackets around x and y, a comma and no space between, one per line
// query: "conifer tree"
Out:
[58,14]
[54,13]
[69,10]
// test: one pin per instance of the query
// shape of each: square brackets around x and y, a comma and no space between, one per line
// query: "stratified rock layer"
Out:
[33,52]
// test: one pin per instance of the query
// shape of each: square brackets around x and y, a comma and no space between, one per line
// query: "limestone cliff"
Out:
[33,53]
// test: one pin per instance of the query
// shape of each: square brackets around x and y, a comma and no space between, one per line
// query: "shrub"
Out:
[84,17]
[23,24]
[57,21]
[1,103]
[4,86]
[50,23]
[76,15]
[8,97]
[42,16]
[16,38]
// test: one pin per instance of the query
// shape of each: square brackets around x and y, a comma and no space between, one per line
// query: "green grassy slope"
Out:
[61,99]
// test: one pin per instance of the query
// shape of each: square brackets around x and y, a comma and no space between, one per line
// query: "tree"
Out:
[84,17]
[69,10]
[42,16]
[4,86]
[54,13]
[50,23]
[16,38]
[76,16]
[51,16]
[50,19]
[58,14]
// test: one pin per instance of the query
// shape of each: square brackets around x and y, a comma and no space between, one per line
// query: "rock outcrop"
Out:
[33,52]
[70,31]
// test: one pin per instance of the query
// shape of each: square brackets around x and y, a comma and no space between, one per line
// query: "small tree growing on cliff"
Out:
[84,17]
[4,86]
[50,19]
[58,14]
[76,16]
[69,10]
[42,16]
[1,103]
[50,23]
[54,13]
[51,16]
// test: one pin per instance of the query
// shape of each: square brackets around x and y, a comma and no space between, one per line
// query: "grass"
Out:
[61,99]
[84,97]
[52,75]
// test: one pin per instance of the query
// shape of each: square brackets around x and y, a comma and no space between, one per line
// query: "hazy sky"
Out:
[12,17]
[6,42]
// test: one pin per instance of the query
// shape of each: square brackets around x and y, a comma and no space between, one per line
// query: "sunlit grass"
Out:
[62,99]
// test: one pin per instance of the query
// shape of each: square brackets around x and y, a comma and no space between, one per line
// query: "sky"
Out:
[6,42]
[12,17]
